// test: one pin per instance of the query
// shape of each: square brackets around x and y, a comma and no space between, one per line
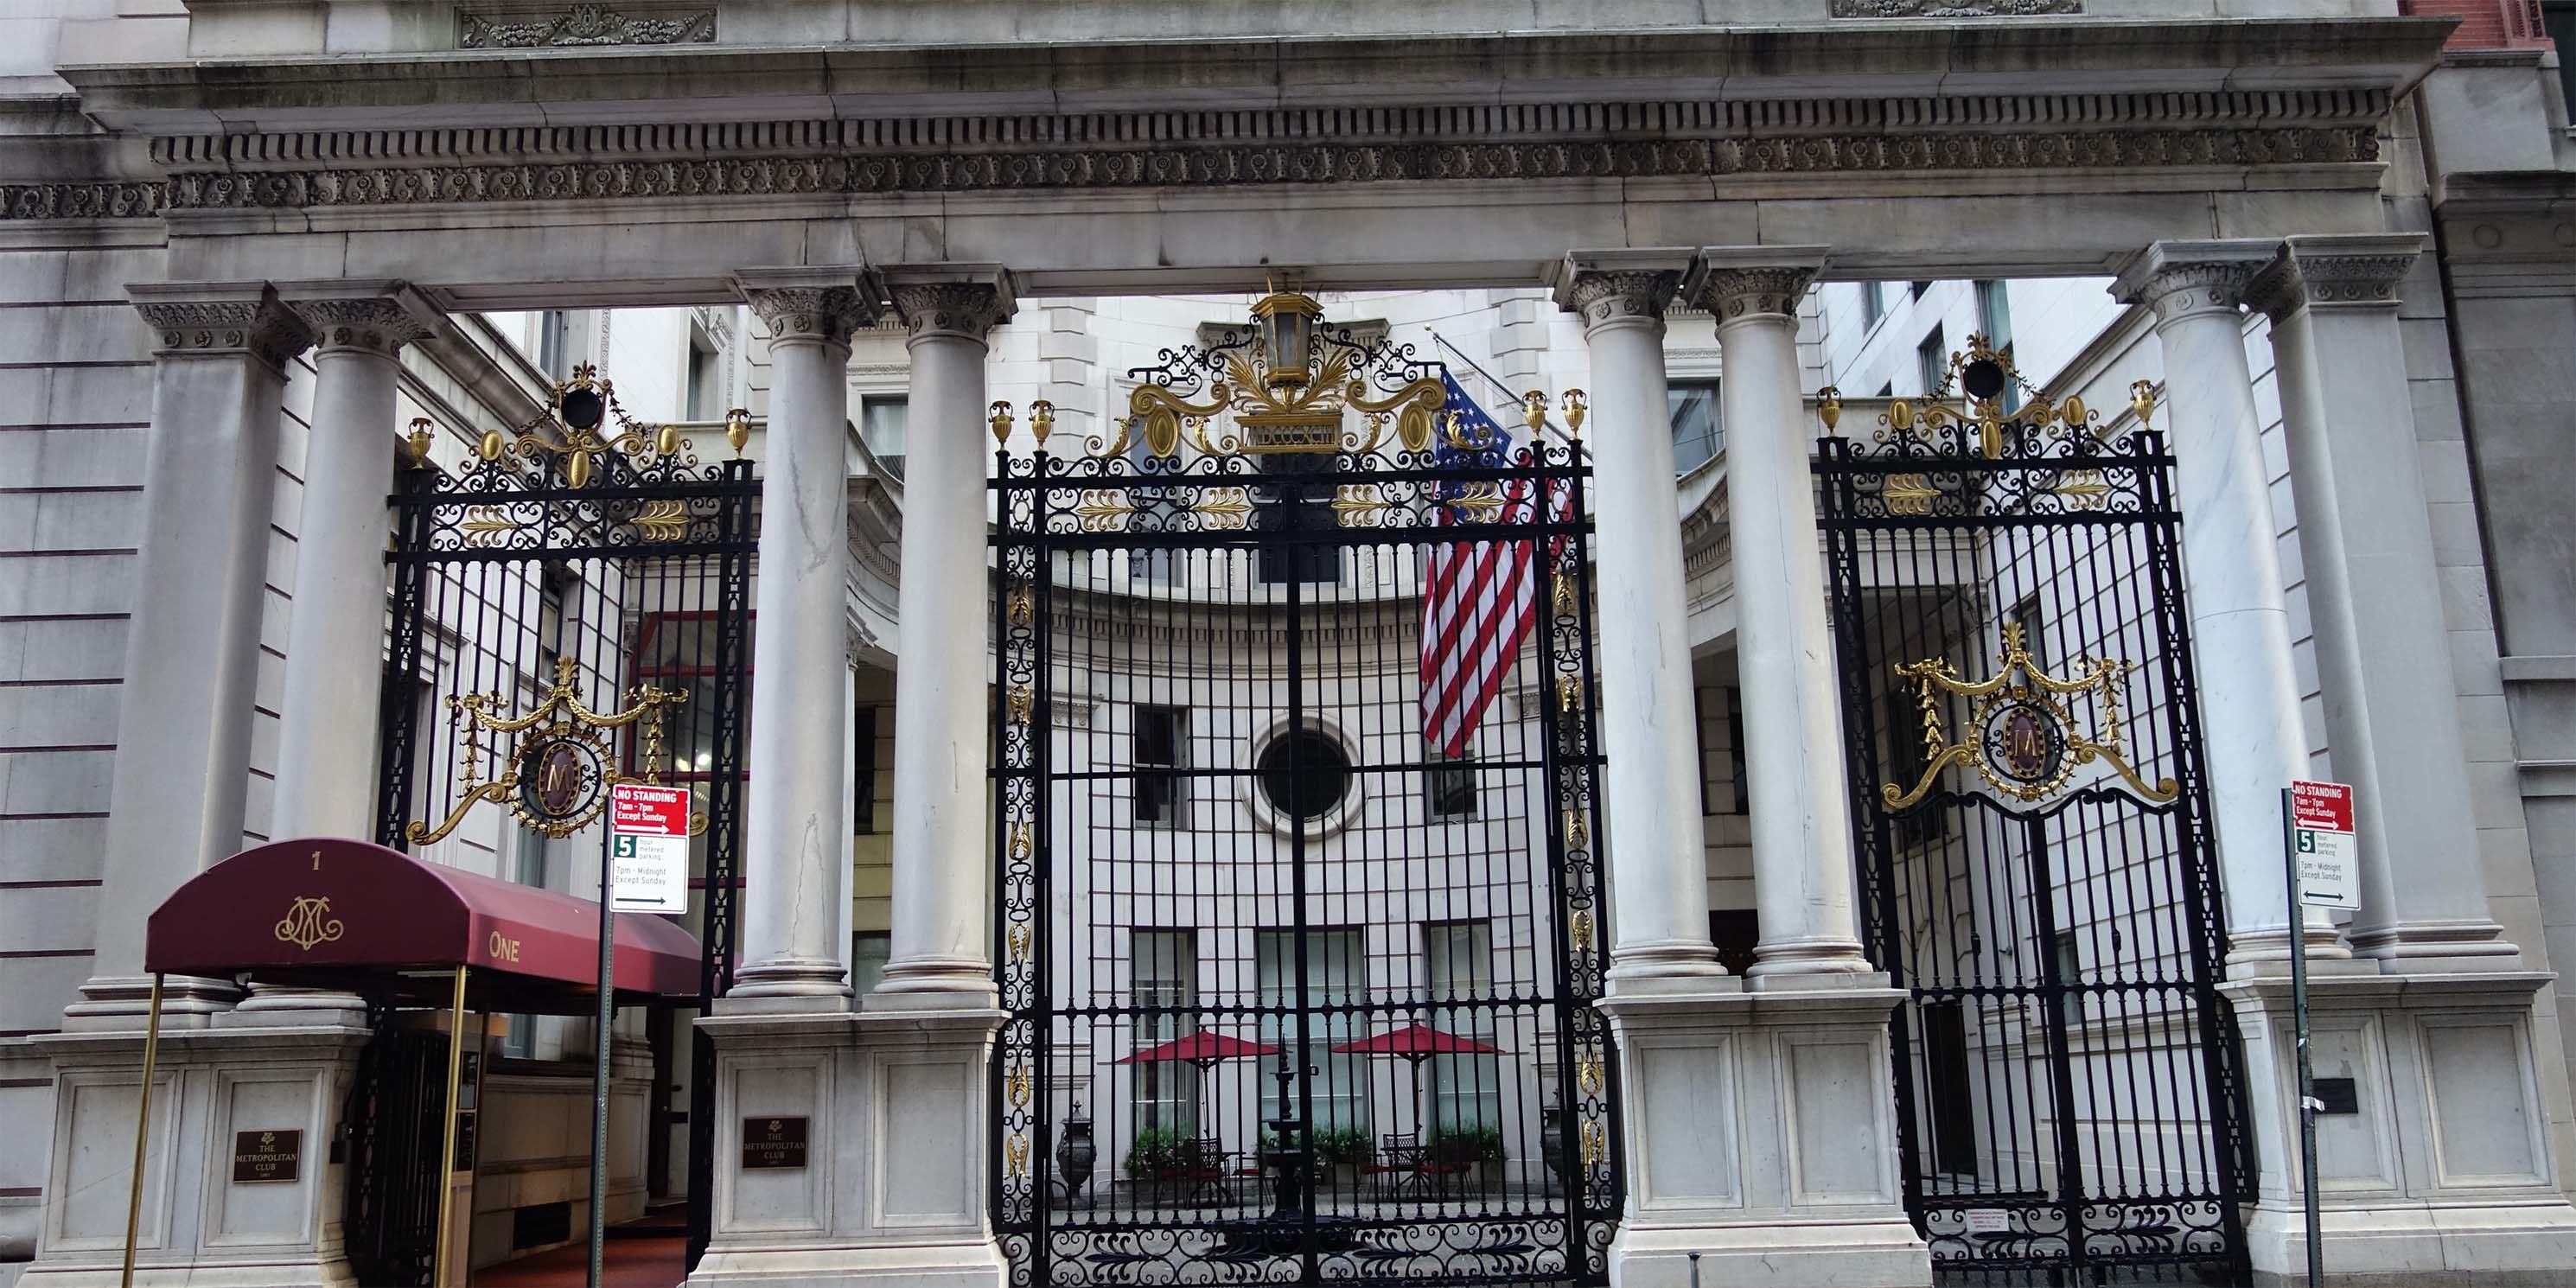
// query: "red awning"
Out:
[332,912]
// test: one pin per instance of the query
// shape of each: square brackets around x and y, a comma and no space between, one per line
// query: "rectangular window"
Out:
[2070,972]
[1336,975]
[863,801]
[1873,303]
[554,344]
[881,427]
[1449,786]
[1735,749]
[1994,318]
[869,950]
[706,377]
[1932,362]
[1466,1089]
[2034,629]
[2558,22]
[1698,430]
[1162,752]
[1163,967]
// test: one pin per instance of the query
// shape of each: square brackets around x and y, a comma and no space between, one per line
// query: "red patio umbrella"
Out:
[1417,1043]
[1203,1049]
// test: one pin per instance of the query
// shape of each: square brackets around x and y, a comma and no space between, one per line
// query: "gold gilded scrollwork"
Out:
[1588,1075]
[587,423]
[1580,929]
[1909,494]
[1020,943]
[1222,509]
[560,718]
[1019,1088]
[1595,1143]
[1103,509]
[1359,505]
[1015,1157]
[1023,702]
[1022,610]
[2021,736]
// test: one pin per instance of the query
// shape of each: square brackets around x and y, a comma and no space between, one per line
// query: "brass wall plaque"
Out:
[261,1157]
[772,1143]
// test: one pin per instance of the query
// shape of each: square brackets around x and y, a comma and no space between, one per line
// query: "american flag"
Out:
[1479,598]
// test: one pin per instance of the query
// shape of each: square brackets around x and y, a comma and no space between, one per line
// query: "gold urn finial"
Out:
[1534,411]
[1829,405]
[738,429]
[417,442]
[1000,419]
[1574,407]
[2142,400]
[1042,419]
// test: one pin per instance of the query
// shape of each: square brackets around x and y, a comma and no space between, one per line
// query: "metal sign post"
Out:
[2317,864]
[599,1070]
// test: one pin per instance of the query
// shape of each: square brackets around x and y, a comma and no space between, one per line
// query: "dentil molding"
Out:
[1113,150]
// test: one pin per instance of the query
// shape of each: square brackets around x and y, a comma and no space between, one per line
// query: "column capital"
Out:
[2182,278]
[2357,270]
[963,301]
[824,304]
[378,316]
[221,318]
[1738,282]
[1619,287]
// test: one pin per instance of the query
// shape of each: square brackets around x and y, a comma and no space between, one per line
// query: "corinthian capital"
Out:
[1738,282]
[825,304]
[221,317]
[378,317]
[961,300]
[2359,270]
[1619,287]
[2181,278]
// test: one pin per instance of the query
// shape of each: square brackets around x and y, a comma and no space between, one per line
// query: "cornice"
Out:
[1157,149]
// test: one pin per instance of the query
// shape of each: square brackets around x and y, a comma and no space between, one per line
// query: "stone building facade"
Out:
[2333,241]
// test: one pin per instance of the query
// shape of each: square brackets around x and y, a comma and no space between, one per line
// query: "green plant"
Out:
[1342,1145]
[1156,1151]
[1467,1144]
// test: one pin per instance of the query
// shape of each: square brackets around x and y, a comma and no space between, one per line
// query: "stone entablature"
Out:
[395,168]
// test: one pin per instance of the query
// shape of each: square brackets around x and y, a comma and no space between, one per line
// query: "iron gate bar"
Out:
[1034,533]
[642,529]
[2115,534]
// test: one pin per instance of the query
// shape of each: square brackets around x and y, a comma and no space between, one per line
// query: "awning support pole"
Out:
[142,1131]
[447,1151]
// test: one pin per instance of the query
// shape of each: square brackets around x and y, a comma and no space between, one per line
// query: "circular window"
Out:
[1304,774]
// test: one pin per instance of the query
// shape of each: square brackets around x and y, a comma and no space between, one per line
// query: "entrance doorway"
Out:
[2036,865]
[1298,870]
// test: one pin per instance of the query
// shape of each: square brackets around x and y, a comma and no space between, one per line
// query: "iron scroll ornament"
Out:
[2021,734]
[560,769]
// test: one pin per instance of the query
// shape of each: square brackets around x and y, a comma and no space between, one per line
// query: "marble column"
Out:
[2375,600]
[796,875]
[939,958]
[1803,879]
[327,711]
[1659,865]
[192,643]
[2254,738]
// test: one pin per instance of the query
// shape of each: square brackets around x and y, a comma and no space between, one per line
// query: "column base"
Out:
[2443,1172]
[1760,1132]
[924,1266]
[791,977]
[2419,947]
[2489,1245]
[118,1003]
[1881,1253]
[891,1188]
[934,984]
[198,1227]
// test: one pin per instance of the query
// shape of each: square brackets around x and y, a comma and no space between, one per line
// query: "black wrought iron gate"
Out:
[565,571]
[2036,866]
[1299,974]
